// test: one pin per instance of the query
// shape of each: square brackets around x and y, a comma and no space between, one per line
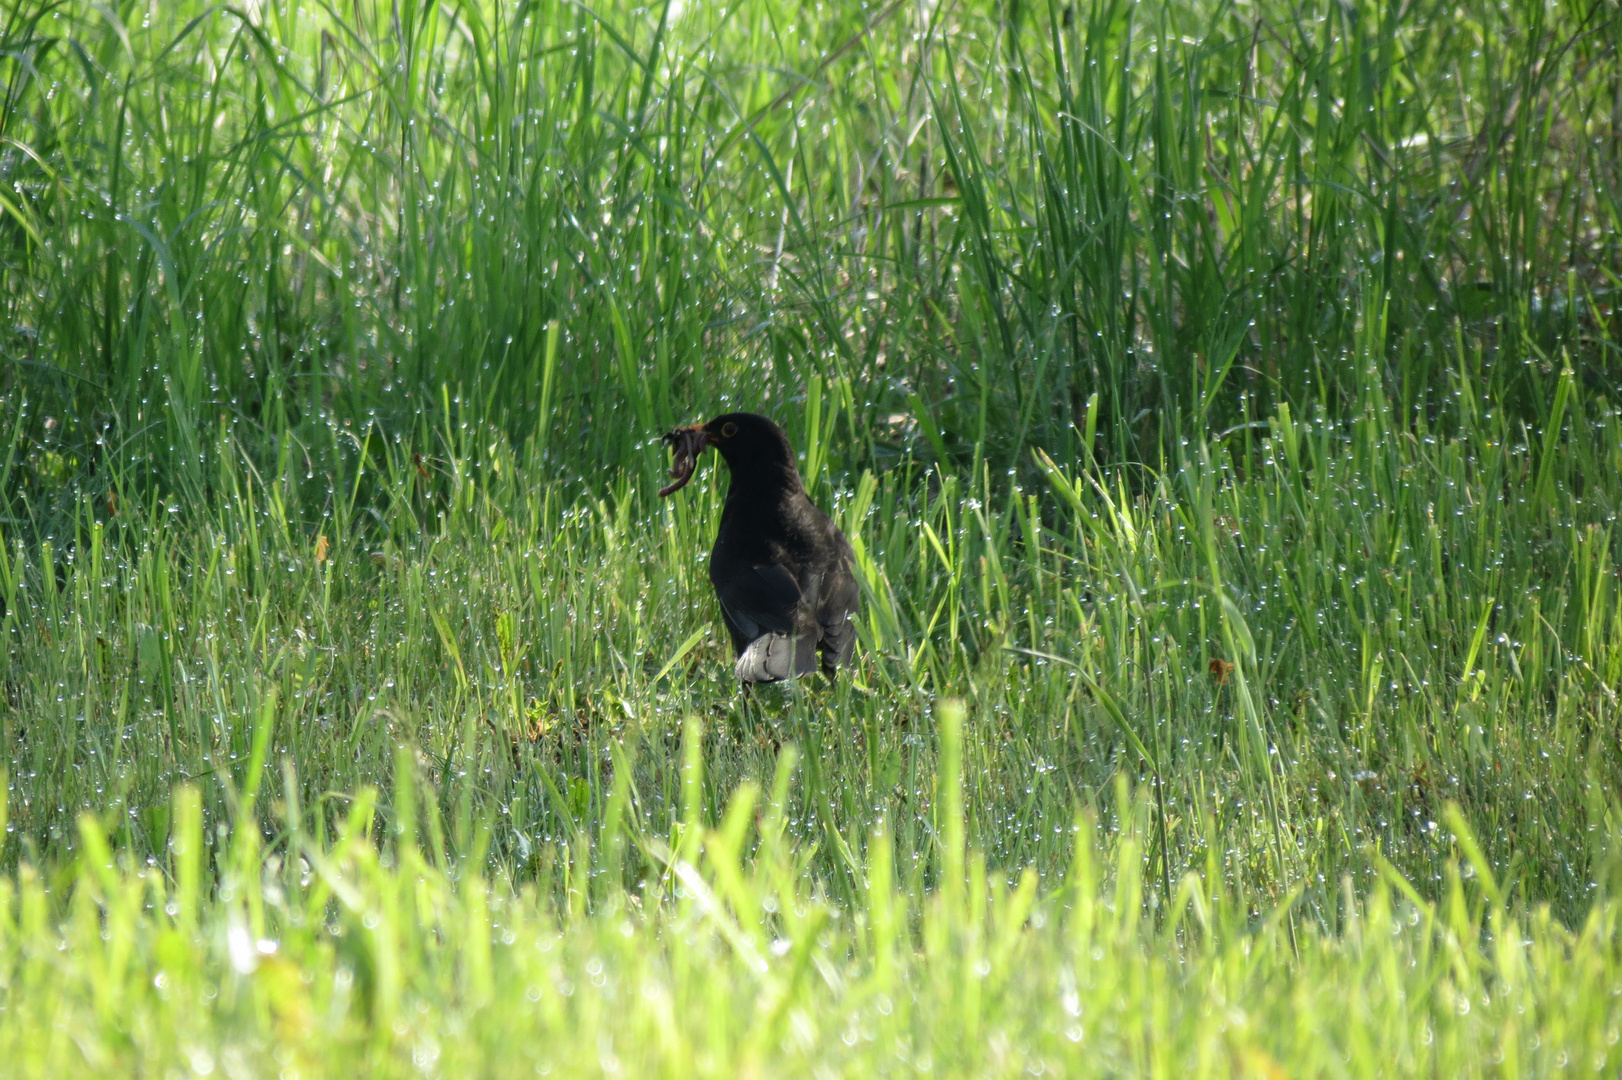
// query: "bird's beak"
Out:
[685,443]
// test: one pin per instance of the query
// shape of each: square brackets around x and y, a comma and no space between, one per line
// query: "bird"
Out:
[781,569]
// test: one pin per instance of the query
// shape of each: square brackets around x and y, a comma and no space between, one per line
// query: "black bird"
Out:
[780,568]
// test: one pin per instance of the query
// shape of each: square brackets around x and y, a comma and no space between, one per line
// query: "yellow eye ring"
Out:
[729,429]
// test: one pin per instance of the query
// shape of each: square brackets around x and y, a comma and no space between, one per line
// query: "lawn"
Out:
[1221,400]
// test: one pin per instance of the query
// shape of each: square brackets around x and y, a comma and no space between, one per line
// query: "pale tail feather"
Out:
[773,657]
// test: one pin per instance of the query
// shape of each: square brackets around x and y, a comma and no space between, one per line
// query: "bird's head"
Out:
[752,445]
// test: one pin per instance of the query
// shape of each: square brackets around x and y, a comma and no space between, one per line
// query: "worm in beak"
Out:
[685,443]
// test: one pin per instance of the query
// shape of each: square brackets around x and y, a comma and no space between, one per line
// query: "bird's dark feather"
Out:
[760,600]
[779,565]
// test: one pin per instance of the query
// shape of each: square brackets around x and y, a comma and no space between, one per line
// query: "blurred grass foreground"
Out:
[1221,399]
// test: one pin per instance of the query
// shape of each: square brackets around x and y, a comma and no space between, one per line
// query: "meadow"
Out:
[1221,399]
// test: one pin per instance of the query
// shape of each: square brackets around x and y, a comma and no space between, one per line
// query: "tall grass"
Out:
[956,223]
[1219,399]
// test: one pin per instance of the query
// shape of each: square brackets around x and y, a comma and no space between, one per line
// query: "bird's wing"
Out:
[761,600]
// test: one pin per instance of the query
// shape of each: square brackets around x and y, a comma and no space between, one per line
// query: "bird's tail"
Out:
[774,657]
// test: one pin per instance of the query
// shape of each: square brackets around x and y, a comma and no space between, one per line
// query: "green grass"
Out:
[340,960]
[1220,399]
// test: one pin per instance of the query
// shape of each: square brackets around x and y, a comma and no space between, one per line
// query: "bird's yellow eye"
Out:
[729,429]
